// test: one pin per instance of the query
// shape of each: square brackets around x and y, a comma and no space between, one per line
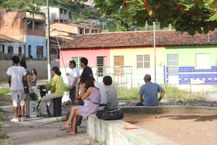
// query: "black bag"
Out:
[110,114]
[26,87]
[32,96]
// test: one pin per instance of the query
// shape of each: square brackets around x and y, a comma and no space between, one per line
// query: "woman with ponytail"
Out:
[57,90]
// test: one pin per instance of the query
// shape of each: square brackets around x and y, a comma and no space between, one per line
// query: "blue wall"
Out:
[186,73]
[35,41]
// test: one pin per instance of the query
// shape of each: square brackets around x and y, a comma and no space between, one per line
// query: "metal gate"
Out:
[121,75]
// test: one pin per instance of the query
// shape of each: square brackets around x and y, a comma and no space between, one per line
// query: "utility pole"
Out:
[48,43]
[154,52]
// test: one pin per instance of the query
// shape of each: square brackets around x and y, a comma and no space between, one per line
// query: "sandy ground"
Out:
[184,129]
[43,131]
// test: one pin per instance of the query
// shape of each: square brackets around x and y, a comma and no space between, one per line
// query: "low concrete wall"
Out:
[40,66]
[170,110]
[211,96]
[113,133]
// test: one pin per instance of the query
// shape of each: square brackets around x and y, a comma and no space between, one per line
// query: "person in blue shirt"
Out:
[149,93]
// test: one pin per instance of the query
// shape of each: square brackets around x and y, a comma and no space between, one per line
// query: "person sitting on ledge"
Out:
[92,100]
[111,93]
[149,93]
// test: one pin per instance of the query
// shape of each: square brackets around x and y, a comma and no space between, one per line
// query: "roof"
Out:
[139,39]
[59,40]
[69,27]
[6,39]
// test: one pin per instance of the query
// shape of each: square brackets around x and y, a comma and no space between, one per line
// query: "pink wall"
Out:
[90,54]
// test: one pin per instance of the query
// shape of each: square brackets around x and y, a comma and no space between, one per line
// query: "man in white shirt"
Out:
[102,91]
[73,80]
[16,74]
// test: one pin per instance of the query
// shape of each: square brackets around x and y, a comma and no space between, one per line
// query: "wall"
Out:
[133,77]
[12,25]
[130,59]
[187,54]
[35,41]
[90,54]
[40,66]
[188,73]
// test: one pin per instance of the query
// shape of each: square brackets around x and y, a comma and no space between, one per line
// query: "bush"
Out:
[4,94]
[3,135]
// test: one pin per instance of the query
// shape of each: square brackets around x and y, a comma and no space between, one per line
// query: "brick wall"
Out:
[40,66]
[12,25]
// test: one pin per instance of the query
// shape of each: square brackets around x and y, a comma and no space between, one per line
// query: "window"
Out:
[61,11]
[118,63]
[65,12]
[2,49]
[143,61]
[100,65]
[87,31]
[81,31]
[29,24]
[39,25]
[39,51]
[77,61]
[10,49]
[29,50]
[173,64]
[202,60]
[20,51]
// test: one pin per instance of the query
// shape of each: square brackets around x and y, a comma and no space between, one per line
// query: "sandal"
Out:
[64,128]
[71,133]
[64,118]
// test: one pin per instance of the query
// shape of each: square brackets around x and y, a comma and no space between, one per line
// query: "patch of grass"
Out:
[3,79]
[127,94]
[4,94]
[172,93]
[3,135]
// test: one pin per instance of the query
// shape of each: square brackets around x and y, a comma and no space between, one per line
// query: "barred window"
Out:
[77,61]
[143,61]
[100,65]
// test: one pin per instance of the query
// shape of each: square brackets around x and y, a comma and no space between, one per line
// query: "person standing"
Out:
[85,75]
[16,74]
[33,77]
[149,93]
[27,87]
[57,90]
[87,71]
[73,80]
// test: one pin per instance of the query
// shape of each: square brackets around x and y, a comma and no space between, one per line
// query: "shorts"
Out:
[17,98]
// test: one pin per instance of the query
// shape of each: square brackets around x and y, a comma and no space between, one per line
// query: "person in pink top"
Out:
[92,101]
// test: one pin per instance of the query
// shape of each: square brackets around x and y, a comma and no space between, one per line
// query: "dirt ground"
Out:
[184,129]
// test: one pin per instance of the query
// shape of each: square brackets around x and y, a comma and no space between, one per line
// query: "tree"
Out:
[184,15]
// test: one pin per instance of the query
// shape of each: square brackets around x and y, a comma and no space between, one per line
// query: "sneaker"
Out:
[22,119]
[14,120]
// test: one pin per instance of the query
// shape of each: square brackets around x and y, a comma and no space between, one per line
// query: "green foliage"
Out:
[3,135]
[127,94]
[31,5]
[184,15]
[4,94]
[172,93]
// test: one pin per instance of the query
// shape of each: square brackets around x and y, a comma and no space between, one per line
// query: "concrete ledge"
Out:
[113,133]
[211,96]
[169,110]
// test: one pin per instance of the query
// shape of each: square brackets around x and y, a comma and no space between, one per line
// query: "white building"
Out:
[56,14]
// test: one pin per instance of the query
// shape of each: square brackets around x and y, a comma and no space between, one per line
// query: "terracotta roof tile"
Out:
[140,38]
